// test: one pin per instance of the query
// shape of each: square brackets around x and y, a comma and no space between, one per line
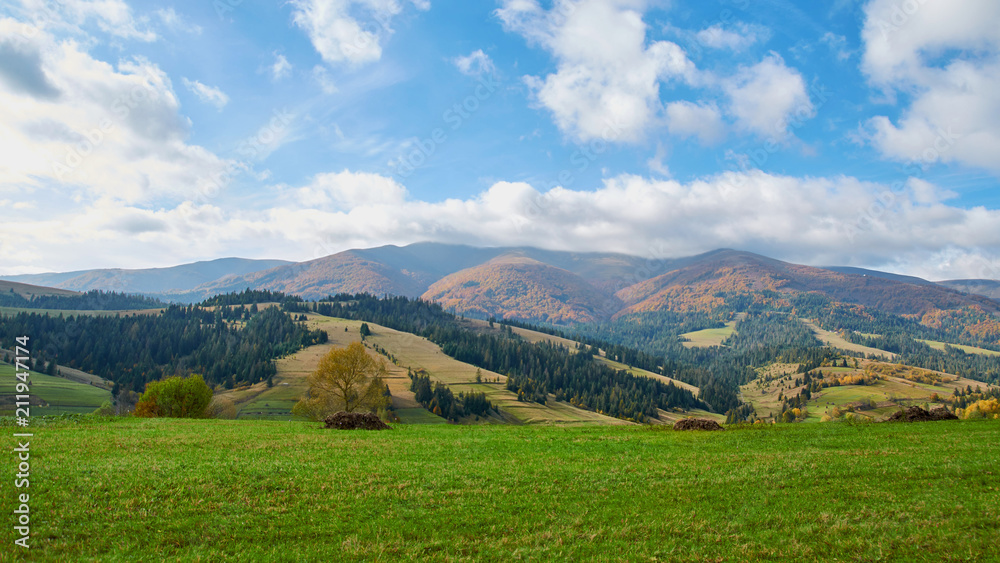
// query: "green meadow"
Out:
[56,394]
[264,490]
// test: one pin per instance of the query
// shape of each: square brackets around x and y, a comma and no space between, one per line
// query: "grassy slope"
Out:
[967,349]
[266,490]
[59,395]
[836,341]
[709,336]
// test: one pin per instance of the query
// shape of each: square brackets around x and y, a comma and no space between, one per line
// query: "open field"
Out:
[834,340]
[210,490]
[57,395]
[967,349]
[709,336]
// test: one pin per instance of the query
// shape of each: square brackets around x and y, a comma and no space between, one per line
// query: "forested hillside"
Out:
[228,347]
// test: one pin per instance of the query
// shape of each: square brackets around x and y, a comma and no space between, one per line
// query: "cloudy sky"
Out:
[141,134]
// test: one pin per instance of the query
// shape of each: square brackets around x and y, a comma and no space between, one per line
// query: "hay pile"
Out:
[917,414]
[697,424]
[355,421]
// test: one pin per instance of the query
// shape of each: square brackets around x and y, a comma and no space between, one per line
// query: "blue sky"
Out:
[143,134]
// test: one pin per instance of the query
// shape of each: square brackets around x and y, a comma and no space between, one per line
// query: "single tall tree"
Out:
[347,379]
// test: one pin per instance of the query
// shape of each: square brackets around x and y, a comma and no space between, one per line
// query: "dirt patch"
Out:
[355,421]
[917,414]
[697,424]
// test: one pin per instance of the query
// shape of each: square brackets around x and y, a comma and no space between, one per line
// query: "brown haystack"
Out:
[355,421]
[917,414]
[697,424]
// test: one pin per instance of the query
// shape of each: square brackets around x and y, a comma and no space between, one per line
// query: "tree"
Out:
[347,379]
[365,331]
[175,397]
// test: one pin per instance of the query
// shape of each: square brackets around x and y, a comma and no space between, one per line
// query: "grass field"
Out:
[209,490]
[834,340]
[709,336]
[967,349]
[56,395]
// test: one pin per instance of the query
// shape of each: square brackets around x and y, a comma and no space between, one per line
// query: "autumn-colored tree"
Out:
[347,379]
[175,397]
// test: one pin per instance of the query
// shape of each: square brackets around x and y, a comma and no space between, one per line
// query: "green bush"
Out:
[175,397]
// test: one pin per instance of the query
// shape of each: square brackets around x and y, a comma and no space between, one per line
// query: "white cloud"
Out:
[207,94]
[821,221]
[476,63]
[348,190]
[945,57]
[349,31]
[281,67]
[738,38]
[97,130]
[704,121]
[113,17]
[767,97]
[607,82]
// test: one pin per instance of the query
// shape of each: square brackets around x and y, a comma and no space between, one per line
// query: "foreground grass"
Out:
[267,490]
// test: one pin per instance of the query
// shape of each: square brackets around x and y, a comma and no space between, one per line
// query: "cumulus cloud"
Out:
[704,121]
[838,220]
[945,57]
[765,97]
[107,131]
[208,94]
[607,81]
[347,190]
[476,63]
[349,31]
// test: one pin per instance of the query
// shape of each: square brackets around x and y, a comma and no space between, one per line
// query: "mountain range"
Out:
[538,285]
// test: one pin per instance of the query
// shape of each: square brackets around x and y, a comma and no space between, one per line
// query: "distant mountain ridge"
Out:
[151,281]
[539,285]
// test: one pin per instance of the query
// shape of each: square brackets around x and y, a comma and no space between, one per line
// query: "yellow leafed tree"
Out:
[347,379]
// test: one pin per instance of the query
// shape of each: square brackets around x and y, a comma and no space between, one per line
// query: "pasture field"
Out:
[709,336]
[262,490]
[51,395]
[834,340]
[967,349]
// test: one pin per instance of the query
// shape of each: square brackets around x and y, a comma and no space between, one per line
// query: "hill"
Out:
[29,291]
[707,281]
[159,281]
[514,286]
